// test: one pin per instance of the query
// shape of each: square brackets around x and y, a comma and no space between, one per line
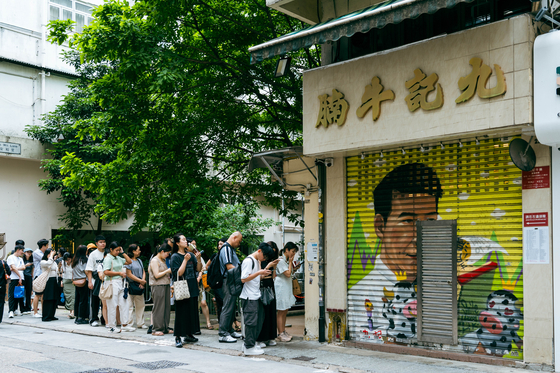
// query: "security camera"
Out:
[329,162]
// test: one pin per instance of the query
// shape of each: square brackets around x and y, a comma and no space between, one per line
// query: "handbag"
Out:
[205,281]
[181,289]
[19,292]
[106,291]
[79,283]
[40,282]
[267,295]
[7,272]
[296,289]
[134,287]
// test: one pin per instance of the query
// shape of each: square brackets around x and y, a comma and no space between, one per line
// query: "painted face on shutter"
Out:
[398,233]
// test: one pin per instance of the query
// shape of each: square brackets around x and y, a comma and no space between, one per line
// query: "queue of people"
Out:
[100,279]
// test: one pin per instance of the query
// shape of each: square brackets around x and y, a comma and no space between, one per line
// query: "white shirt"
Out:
[251,289]
[17,262]
[94,260]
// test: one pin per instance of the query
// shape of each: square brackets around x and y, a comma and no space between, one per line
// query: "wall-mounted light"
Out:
[476,141]
[403,152]
[422,148]
[441,145]
[282,67]
[460,144]
[363,156]
[381,155]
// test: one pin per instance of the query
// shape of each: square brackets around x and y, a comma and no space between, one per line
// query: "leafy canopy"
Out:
[167,112]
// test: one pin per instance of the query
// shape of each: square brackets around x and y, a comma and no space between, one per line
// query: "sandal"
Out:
[159,334]
[237,326]
[209,326]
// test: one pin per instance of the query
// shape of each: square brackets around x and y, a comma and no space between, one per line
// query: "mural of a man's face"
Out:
[398,233]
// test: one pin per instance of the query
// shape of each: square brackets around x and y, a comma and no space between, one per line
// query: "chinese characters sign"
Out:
[334,108]
[538,177]
[10,148]
[539,219]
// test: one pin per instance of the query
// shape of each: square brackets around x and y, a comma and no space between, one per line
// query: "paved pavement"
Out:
[61,343]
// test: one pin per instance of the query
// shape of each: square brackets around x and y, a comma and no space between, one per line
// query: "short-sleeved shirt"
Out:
[117,264]
[251,289]
[94,260]
[79,271]
[28,270]
[16,262]
[136,268]
[37,257]
[189,274]
[227,256]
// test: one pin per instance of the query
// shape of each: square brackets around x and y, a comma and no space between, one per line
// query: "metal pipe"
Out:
[321,172]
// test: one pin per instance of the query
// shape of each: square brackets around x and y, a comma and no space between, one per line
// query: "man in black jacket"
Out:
[4,273]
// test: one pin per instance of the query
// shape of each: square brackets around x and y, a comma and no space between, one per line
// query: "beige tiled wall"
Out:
[507,43]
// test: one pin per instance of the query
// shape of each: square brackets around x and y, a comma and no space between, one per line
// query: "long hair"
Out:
[80,256]
[176,239]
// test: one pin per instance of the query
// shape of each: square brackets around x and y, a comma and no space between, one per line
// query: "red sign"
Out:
[538,177]
[535,219]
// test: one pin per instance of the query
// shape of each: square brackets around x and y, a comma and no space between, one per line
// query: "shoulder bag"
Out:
[134,287]
[40,282]
[181,288]
[296,289]
[106,291]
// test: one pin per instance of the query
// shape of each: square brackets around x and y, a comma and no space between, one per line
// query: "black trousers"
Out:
[94,301]
[81,302]
[28,283]
[13,302]
[219,301]
[2,297]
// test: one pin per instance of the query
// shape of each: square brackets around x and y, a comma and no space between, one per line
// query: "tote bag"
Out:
[40,282]
[106,291]
[181,289]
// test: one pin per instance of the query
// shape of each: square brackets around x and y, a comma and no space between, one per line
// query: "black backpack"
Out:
[214,277]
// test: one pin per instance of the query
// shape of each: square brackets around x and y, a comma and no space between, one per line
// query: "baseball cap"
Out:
[27,249]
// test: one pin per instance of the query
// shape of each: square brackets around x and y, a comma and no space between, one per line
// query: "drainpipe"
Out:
[321,173]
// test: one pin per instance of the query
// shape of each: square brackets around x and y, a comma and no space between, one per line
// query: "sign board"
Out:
[538,177]
[10,148]
[312,251]
[546,61]
[536,245]
[537,219]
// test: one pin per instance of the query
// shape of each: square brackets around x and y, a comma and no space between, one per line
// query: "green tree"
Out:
[175,103]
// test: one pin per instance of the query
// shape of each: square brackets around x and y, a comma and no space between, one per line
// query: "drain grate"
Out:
[107,370]
[162,364]
[303,358]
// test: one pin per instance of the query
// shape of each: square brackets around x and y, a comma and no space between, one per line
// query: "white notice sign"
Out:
[10,148]
[536,245]
[312,251]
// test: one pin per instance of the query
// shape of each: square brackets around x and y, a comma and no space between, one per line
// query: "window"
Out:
[71,9]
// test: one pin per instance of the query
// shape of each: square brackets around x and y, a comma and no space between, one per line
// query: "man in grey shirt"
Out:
[228,260]
[37,257]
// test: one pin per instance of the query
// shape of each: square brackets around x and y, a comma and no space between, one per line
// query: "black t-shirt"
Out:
[189,274]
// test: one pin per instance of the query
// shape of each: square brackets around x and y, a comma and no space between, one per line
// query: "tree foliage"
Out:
[168,110]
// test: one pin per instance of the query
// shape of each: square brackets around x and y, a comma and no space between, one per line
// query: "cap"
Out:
[91,246]
[27,249]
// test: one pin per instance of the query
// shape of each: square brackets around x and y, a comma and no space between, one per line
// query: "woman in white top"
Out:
[283,287]
[51,294]
[67,285]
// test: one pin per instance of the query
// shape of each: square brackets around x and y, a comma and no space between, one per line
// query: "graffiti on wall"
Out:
[475,185]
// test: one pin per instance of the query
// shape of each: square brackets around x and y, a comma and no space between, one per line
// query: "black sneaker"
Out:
[178,342]
[189,338]
[197,333]
[150,329]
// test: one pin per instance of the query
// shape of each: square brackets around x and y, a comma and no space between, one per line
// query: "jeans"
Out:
[228,312]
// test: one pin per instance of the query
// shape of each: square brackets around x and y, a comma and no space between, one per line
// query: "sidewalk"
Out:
[321,356]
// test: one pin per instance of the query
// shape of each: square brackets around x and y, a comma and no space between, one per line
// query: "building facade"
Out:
[431,240]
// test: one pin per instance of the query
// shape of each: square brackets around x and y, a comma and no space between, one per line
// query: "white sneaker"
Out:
[26,313]
[114,330]
[272,342]
[144,326]
[260,344]
[11,315]
[253,351]
[236,335]
[37,315]
[227,339]
[95,323]
[128,329]
[17,313]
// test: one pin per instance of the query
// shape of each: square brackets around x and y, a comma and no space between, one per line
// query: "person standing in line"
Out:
[283,286]
[42,245]
[94,283]
[218,295]
[115,274]
[67,284]
[184,265]
[17,267]
[253,311]
[268,332]
[161,290]
[51,294]
[28,278]
[136,277]
[229,260]
[79,280]
[5,273]
[201,290]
